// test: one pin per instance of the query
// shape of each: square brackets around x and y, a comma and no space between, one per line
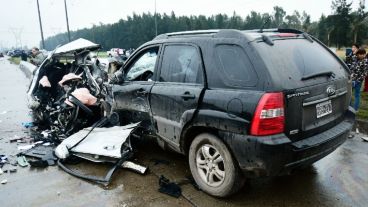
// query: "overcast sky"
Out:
[19,18]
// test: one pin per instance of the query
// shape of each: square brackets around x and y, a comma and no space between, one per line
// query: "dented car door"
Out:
[131,97]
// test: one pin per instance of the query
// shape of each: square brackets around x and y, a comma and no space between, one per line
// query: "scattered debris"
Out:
[4,181]
[9,169]
[168,187]
[15,139]
[1,171]
[44,154]
[22,161]
[3,159]
[364,138]
[27,124]
[39,163]
[96,142]
[99,145]
[135,167]
[26,147]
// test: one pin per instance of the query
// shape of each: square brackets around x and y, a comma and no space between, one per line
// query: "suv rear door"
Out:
[315,83]
[176,94]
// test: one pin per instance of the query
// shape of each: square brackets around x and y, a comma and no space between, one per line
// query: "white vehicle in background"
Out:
[115,52]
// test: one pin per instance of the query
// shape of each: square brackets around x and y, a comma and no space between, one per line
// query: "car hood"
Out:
[76,45]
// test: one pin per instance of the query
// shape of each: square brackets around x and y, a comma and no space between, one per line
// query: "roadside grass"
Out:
[102,54]
[15,60]
[363,109]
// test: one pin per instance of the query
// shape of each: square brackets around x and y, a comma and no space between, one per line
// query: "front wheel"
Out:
[213,167]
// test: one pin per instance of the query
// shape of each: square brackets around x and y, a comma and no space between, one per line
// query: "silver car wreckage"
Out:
[68,96]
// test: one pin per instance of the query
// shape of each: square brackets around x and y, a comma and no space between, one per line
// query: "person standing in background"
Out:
[359,70]
[351,58]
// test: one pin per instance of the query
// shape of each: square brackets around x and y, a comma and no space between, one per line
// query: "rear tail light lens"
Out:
[269,115]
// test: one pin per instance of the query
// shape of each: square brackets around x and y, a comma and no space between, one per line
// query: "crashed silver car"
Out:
[67,92]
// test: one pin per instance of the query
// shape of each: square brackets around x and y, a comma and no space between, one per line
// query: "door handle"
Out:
[187,96]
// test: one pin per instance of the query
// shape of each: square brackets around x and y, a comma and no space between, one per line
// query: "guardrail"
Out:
[27,68]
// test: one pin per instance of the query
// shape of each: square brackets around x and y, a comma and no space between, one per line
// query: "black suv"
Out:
[240,104]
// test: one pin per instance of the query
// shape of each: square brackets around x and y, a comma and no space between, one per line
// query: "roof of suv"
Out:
[249,35]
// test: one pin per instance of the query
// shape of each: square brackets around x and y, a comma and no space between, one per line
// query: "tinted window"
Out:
[295,59]
[181,63]
[235,65]
[144,65]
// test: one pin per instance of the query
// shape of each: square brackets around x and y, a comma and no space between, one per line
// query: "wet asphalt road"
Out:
[340,179]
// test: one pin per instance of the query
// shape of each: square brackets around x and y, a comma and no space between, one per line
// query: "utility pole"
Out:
[155,19]
[39,19]
[67,21]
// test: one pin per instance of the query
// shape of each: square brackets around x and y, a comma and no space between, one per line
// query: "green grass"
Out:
[15,60]
[102,54]
[363,109]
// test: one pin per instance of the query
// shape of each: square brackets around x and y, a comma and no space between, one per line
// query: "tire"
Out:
[224,177]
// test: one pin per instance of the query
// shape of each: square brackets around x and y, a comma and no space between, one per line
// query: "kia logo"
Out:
[331,90]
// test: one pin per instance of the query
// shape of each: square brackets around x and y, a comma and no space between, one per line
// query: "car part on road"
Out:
[22,161]
[100,145]
[168,187]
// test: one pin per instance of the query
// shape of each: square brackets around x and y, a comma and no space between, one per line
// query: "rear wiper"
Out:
[325,73]
[306,36]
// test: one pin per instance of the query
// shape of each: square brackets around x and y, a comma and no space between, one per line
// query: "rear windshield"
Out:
[298,60]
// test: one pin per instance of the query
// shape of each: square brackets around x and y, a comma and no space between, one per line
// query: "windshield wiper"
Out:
[325,73]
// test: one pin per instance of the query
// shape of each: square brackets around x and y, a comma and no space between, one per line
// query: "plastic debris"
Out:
[15,139]
[364,138]
[25,147]
[168,187]
[22,161]
[4,181]
[39,163]
[1,171]
[3,159]
[9,169]
[135,167]
[27,124]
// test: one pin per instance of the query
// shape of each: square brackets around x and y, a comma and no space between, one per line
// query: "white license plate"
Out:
[323,108]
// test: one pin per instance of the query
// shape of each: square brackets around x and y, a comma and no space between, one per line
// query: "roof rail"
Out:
[295,31]
[194,32]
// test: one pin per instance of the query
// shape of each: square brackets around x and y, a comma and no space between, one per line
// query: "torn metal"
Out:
[101,142]
[100,145]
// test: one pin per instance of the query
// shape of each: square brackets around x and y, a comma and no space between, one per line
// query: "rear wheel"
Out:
[213,167]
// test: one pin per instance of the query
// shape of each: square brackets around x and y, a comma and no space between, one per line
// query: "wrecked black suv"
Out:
[240,104]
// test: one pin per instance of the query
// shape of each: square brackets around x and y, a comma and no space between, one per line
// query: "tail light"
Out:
[269,115]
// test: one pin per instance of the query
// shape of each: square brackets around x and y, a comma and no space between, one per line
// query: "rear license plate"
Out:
[324,108]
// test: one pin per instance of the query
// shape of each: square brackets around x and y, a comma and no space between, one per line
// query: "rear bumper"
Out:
[277,154]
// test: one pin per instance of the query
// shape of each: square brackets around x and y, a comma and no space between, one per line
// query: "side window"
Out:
[181,63]
[143,67]
[235,66]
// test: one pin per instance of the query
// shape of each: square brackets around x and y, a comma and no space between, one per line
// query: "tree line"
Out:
[340,29]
